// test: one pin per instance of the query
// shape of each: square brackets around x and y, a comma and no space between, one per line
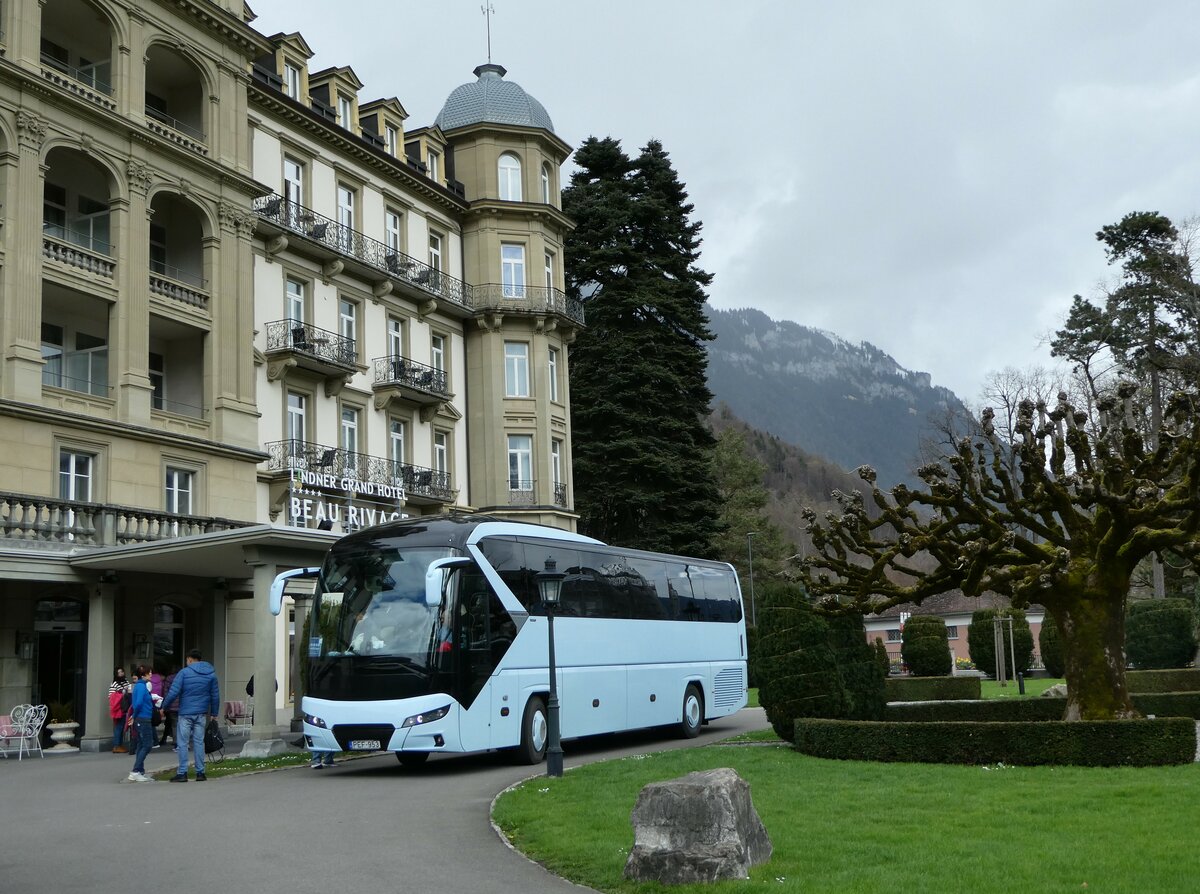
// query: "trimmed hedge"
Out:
[1183,679]
[1004,710]
[1160,633]
[1051,648]
[924,689]
[1132,743]
[925,648]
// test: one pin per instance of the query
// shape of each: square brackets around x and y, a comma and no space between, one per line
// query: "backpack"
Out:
[213,740]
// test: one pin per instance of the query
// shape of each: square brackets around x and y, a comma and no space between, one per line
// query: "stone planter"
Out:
[63,735]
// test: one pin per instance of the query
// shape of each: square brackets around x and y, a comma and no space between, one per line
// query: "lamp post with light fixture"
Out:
[549,584]
[750,550]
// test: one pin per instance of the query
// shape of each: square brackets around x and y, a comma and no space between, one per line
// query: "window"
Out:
[510,177]
[54,210]
[391,236]
[87,365]
[552,372]
[516,369]
[291,80]
[520,462]
[391,139]
[293,181]
[437,352]
[345,210]
[295,300]
[433,165]
[349,429]
[893,635]
[396,440]
[435,251]
[179,491]
[157,380]
[549,270]
[395,337]
[512,270]
[546,183]
[348,321]
[441,452]
[297,427]
[52,354]
[344,110]
[951,631]
[158,248]
[75,475]
[556,462]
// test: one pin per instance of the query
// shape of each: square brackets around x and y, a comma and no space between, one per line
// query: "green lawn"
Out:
[860,827]
[992,689]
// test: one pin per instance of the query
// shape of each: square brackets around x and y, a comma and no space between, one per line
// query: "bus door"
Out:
[482,634]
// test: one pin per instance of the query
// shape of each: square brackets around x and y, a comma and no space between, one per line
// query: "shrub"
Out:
[814,665]
[1160,633]
[881,656]
[1098,743]
[1051,648]
[981,640]
[922,689]
[752,656]
[926,649]
[1160,704]
[1184,679]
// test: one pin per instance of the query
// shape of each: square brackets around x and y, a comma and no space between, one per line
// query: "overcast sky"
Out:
[925,176]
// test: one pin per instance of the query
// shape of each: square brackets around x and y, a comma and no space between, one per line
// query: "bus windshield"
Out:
[372,603]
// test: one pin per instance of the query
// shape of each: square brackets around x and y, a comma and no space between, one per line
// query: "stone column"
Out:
[101,659]
[22,310]
[299,656]
[235,414]
[131,357]
[265,736]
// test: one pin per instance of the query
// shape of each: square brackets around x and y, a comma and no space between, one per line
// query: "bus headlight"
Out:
[315,721]
[425,717]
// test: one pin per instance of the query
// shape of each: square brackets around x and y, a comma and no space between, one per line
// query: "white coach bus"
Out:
[428,635]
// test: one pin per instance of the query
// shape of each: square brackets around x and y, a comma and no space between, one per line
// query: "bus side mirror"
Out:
[280,583]
[435,577]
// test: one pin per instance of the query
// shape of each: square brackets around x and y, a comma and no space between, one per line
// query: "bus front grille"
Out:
[345,733]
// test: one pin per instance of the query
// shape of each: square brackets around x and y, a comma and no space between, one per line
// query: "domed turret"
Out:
[492,100]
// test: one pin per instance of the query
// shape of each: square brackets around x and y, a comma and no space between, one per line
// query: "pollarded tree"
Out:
[1066,529]
[639,394]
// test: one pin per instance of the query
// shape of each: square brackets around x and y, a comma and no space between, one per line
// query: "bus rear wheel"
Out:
[534,732]
[412,758]
[693,712]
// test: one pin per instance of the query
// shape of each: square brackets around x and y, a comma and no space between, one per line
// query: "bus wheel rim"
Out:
[691,710]
[539,731]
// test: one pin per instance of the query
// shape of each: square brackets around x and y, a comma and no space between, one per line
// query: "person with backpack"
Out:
[120,695]
[199,698]
[142,711]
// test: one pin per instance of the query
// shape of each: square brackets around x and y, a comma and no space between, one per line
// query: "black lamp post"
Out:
[550,585]
[750,550]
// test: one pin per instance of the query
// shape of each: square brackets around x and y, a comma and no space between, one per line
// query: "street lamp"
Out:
[750,550]
[550,586]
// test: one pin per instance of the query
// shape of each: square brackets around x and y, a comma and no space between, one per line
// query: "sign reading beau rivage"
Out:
[311,503]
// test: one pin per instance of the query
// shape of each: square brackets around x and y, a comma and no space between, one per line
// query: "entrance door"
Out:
[61,665]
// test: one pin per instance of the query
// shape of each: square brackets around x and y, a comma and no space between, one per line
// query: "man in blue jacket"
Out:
[199,698]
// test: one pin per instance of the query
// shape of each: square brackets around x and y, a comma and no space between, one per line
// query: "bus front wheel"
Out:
[532,749]
[693,712]
[412,758]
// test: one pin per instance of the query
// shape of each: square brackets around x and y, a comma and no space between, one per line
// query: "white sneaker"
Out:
[137,777]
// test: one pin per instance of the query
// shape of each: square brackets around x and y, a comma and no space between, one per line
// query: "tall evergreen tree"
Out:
[642,453]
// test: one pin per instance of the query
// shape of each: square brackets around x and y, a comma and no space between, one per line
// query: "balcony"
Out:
[508,298]
[33,519]
[79,82]
[372,477]
[373,258]
[79,251]
[560,495]
[178,285]
[291,343]
[399,379]
[178,132]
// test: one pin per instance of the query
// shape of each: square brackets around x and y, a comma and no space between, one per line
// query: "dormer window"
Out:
[343,111]
[510,177]
[391,139]
[433,165]
[291,80]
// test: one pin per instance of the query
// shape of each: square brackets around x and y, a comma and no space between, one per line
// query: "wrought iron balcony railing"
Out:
[393,370]
[70,522]
[560,495]
[188,130]
[417,481]
[292,335]
[344,240]
[535,299]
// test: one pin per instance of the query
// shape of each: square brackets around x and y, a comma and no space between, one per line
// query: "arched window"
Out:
[546,183]
[510,177]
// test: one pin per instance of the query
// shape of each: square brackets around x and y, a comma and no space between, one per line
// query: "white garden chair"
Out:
[24,730]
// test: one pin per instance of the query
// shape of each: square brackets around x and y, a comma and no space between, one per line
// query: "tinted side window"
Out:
[715,596]
[508,558]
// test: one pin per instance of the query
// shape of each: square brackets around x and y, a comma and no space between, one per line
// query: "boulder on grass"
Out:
[698,828]
[1058,690]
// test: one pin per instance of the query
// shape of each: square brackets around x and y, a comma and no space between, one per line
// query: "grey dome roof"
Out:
[493,100]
